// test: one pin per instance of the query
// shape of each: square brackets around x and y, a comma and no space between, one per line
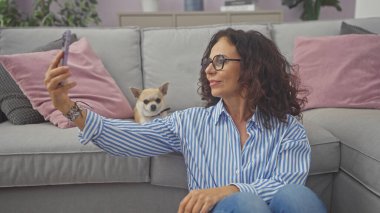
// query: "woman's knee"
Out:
[241,202]
[296,198]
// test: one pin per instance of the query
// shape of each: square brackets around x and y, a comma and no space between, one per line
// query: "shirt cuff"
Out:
[243,187]
[92,128]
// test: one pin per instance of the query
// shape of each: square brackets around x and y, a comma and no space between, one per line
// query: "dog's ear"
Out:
[136,92]
[164,88]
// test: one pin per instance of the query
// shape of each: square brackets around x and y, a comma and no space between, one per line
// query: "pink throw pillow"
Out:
[95,86]
[340,71]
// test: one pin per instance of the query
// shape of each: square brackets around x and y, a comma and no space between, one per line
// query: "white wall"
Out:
[367,8]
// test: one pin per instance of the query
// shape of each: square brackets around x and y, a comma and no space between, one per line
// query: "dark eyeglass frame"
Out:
[206,61]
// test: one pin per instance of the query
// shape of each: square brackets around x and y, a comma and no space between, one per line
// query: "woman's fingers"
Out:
[202,204]
[56,60]
[52,73]
[203,200]
[184,203]
[63,89]
[54,80]
[197,206]
[194,202]
[190,205]
[53,70]
[207,207]
[55,76]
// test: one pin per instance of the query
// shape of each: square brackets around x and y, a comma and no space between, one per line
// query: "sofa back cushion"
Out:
[285,34]
[174,56]
[118,48]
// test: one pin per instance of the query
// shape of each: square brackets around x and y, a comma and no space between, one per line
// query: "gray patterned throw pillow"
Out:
[2,117]
[56,44]
[14,104]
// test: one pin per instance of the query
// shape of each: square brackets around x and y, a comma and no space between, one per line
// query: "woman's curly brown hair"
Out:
[271,82]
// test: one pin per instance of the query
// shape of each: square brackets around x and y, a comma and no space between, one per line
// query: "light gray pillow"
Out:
[13,103]
[352,29]
[56,44]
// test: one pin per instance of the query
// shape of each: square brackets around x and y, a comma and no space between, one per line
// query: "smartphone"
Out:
[65,46]
[66,37]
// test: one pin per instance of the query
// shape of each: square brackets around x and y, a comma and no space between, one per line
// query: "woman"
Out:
[245,152]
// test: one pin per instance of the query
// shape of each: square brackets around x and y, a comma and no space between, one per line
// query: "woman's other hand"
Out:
[203,200]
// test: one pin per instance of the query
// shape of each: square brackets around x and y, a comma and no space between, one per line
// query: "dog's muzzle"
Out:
[153,108]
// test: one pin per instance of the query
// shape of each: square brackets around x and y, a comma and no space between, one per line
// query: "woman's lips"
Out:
[214,83]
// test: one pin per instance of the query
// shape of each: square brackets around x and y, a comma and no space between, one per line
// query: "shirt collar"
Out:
[220,111]
[256,119]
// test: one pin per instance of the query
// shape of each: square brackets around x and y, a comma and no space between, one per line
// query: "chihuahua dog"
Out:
[150,103]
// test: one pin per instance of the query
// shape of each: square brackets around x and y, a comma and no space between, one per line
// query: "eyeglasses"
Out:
[217,62]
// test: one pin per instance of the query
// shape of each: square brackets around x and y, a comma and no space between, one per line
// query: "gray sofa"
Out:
[45,169]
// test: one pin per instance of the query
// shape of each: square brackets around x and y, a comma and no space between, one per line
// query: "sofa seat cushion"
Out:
[170,169]
[42,154]
[359,133]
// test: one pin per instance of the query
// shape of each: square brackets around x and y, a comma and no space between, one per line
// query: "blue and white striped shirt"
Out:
[210,144]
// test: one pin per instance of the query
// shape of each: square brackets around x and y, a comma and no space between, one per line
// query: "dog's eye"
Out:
[158,100]
[146,101]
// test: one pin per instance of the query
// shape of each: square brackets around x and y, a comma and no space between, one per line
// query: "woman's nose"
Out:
[210,69]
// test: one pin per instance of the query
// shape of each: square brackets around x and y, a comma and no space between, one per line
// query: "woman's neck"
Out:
[238,109]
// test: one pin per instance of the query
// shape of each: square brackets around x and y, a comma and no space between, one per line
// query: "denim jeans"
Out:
[290,198]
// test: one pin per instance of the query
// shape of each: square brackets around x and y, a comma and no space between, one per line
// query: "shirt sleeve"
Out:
[292,165]
[128,138]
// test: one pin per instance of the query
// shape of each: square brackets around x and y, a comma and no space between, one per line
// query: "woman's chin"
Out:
[216,93]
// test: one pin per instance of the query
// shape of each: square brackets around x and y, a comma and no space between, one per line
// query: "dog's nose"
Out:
[153,107]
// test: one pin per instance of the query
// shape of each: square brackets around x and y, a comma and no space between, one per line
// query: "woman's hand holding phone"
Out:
[54,77]
[57,74]
[58,86]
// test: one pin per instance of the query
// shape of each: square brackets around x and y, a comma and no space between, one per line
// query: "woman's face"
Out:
[224,83]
